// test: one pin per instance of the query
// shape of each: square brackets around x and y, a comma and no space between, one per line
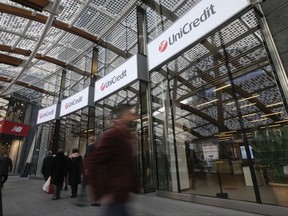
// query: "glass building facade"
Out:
[210,105]
[212,119]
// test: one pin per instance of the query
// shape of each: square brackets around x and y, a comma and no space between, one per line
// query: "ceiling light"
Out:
[271,126]
[225,86]
[282,121]
[275,104]
[247,115]
[270,114]
[248,98]
[257,120]
[244,99]
[207,103]
[247,105]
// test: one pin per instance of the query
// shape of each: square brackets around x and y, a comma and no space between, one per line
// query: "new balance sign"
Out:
[14,128]
[17,129]
[201,20]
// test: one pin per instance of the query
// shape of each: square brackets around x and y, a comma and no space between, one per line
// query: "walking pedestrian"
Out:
[47,165]
[59,169]
[111,165]
[75,169]
[5,167]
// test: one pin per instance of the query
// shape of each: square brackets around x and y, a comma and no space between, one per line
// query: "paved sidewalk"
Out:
[24,197]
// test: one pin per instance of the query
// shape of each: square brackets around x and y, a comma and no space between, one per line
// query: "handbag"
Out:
[47,187]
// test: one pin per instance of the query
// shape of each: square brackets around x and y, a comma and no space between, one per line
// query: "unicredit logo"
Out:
[113,80]
[102,87]
[163,46]
[48,113]
[73,102]
[187,28]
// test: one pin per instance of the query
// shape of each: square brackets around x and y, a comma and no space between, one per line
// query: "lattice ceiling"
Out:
[82,24]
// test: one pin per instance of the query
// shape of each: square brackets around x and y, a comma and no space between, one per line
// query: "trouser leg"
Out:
[74,189]
[116,209]
[54,191]
[4,179]
[58,191]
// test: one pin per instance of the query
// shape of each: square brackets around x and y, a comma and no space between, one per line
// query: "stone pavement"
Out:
[24,197]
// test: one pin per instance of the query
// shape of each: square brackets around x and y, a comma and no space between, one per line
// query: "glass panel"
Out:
[104,119]
[225,105]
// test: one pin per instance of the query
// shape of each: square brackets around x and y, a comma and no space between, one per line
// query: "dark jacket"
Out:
[5,165]
[111,166]
[75,168]
[59,169]
[89,151]
[47,166]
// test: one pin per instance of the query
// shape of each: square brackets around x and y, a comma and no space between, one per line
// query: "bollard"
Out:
[1,206]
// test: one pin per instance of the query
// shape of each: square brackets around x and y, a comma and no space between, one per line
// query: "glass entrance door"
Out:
[135,95]
[214,107]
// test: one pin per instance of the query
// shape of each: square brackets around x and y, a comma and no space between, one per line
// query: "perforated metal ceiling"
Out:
[115,23]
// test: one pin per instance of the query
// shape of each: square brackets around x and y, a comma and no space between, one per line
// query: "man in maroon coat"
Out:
[111,165]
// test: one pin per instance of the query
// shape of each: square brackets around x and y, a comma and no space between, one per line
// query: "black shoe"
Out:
[53,198]
[73,196]
[95,204]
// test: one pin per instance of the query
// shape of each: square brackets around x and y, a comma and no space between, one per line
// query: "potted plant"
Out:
[271,150]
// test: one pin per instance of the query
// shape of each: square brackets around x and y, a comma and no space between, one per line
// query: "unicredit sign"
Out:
[133,69]
[75,102]
[113,80]
[201,20]
[47,114]
[187,29]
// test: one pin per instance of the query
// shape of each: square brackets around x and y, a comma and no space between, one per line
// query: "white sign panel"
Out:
[133,69]
[75,102]
[202,19]
[47,114]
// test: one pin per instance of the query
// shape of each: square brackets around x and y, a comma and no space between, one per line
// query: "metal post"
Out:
[245,139]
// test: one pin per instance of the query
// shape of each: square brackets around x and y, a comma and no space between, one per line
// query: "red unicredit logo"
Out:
[74,102]
[102,87]
[163,46]
[187,28]
[113,80]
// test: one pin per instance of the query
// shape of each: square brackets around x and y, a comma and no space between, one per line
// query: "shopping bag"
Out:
[47,187]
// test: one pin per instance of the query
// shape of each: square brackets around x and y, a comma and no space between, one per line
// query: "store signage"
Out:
[47,114]
[76,102]
[133,69]
[205,17]
[14,128]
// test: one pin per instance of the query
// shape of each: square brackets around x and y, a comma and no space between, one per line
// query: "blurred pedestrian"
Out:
[59,169]
[66,174]
[75,169]
[83,199]
[5,168]
[47,165]
[111,165]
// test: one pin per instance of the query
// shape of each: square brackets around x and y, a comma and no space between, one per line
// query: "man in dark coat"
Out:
[5,167]
[59,169]
[47,165]
[75,169]
[111,164]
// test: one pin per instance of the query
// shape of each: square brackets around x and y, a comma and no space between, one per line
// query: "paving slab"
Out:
[24,197]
